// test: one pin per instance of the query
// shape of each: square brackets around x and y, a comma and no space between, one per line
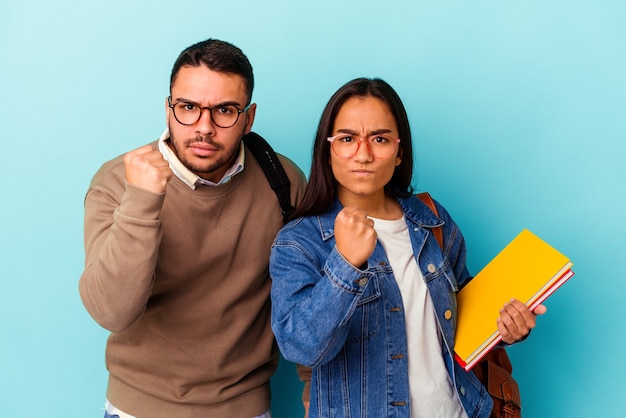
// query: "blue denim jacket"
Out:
[347,324]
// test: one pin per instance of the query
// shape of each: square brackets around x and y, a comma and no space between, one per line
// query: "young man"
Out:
[177,241]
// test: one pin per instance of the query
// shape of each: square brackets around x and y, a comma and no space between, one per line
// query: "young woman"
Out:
[361,291]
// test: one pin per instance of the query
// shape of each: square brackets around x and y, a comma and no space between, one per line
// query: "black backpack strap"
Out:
[273,169]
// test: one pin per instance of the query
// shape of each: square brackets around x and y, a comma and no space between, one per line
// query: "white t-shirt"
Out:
[431,391]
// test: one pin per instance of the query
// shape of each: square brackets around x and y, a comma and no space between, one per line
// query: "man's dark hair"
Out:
[322,187]
[218,56]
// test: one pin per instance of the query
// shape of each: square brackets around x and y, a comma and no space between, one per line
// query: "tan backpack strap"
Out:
[428,201]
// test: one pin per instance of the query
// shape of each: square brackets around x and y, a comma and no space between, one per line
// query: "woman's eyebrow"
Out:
[370,133]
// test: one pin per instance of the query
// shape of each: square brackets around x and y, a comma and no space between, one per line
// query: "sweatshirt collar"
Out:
[189,178]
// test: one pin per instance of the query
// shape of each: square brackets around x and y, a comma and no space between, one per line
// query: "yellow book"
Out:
[527,269]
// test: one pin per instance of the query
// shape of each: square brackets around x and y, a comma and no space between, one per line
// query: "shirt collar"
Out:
[189,178]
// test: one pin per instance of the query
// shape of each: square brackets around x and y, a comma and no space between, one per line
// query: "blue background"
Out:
[518,113]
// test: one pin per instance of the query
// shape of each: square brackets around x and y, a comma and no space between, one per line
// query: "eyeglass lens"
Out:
[380,146]
[223,116]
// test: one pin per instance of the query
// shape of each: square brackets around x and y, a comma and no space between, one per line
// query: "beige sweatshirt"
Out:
[181,281]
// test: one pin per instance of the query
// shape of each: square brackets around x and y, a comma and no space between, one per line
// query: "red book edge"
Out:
[538,301]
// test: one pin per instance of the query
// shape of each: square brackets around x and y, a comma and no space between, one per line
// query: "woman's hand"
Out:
[516,320]
[355,235]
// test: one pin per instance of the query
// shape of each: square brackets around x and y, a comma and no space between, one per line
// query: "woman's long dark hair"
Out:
[322,187]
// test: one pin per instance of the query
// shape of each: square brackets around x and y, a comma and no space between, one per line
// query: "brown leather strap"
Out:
[509,405]
[428,201]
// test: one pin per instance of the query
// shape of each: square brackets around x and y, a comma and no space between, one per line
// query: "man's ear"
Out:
[167,114]
[250,114]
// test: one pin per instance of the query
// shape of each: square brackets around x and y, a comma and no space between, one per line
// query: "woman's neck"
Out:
[379,206]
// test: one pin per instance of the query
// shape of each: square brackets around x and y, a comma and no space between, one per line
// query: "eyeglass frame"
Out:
[360,140]
[210,109]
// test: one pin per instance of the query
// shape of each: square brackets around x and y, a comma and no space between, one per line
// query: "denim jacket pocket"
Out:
[442,273]
[365,320]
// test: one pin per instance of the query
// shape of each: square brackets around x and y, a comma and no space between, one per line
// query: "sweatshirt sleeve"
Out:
[122,238]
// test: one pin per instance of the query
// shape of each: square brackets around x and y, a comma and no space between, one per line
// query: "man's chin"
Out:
[203,170]
[209,168]
[200,166]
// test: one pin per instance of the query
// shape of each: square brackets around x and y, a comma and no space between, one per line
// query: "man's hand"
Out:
[146,168]
[355,235]
[516,320]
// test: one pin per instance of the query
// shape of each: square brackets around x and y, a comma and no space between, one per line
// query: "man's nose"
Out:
[205,124]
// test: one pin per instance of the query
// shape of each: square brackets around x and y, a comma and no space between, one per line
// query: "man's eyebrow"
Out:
[184,100]
[226,103]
